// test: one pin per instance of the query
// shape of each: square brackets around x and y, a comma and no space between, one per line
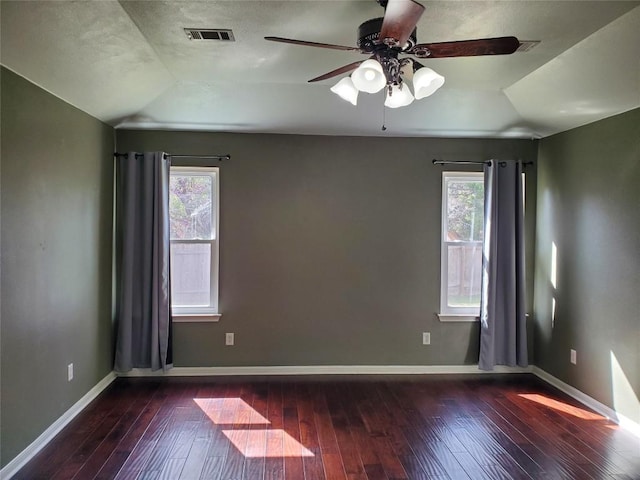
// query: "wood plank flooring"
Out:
[353,428]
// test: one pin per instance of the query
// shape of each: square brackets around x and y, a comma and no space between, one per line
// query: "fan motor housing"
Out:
[369,34]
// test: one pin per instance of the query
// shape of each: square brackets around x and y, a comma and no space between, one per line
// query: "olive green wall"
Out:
[330,248]
[588,205]
[56,215]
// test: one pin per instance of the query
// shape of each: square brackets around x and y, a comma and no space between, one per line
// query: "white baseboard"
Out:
[322,370]
[590,402]
[39,443]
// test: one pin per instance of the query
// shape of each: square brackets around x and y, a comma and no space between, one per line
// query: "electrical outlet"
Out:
[574,357]
[70,372]
[426,338]
[229,339]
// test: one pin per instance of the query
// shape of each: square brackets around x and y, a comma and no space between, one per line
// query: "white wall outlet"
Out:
[574,357]
[70,372]
[229,338]
[426,338]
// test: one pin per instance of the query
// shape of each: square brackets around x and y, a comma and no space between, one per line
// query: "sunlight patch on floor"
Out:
[269,443]
[561,406]
[250,441]
[227,411]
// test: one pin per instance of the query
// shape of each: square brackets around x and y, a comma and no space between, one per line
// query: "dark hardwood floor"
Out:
[356,428]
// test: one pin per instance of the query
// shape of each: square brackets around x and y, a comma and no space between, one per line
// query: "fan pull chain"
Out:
[384,111]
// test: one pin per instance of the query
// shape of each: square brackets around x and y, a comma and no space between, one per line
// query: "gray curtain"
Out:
[143,311]
[503,333]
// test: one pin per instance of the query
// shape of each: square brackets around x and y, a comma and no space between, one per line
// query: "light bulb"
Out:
[369,77]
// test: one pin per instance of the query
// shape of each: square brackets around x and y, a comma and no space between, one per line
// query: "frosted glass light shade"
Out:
[426,82]
[346,90]
[369,77]
[400,96]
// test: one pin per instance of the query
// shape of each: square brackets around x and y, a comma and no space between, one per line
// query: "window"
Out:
[462,234]
[194,212]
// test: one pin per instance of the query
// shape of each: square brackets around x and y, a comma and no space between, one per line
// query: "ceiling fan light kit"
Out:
[371,77]
[384,39]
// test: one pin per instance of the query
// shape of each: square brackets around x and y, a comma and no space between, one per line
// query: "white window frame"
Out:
[208,313]
[448,313]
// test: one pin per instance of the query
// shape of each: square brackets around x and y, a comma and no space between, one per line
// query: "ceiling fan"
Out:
[385,39]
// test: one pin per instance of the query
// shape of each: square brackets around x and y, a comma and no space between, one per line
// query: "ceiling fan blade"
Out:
[467,48]
[337,71]
[400,19]
[311,44]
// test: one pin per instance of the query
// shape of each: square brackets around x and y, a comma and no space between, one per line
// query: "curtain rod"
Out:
[204,157]
[435,161]
[461,162]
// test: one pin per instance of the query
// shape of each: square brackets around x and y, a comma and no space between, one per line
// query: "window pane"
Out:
[464,275]
[190,274]
[191,198]
[465,210]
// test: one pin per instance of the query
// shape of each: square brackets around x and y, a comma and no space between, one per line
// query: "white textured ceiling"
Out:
[130,64]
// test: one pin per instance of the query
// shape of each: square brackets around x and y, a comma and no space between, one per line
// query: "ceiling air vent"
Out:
[526,45]
[224,35]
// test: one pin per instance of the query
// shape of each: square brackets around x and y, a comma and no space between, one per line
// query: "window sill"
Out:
[450,317]
[195,317]
[457,318]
